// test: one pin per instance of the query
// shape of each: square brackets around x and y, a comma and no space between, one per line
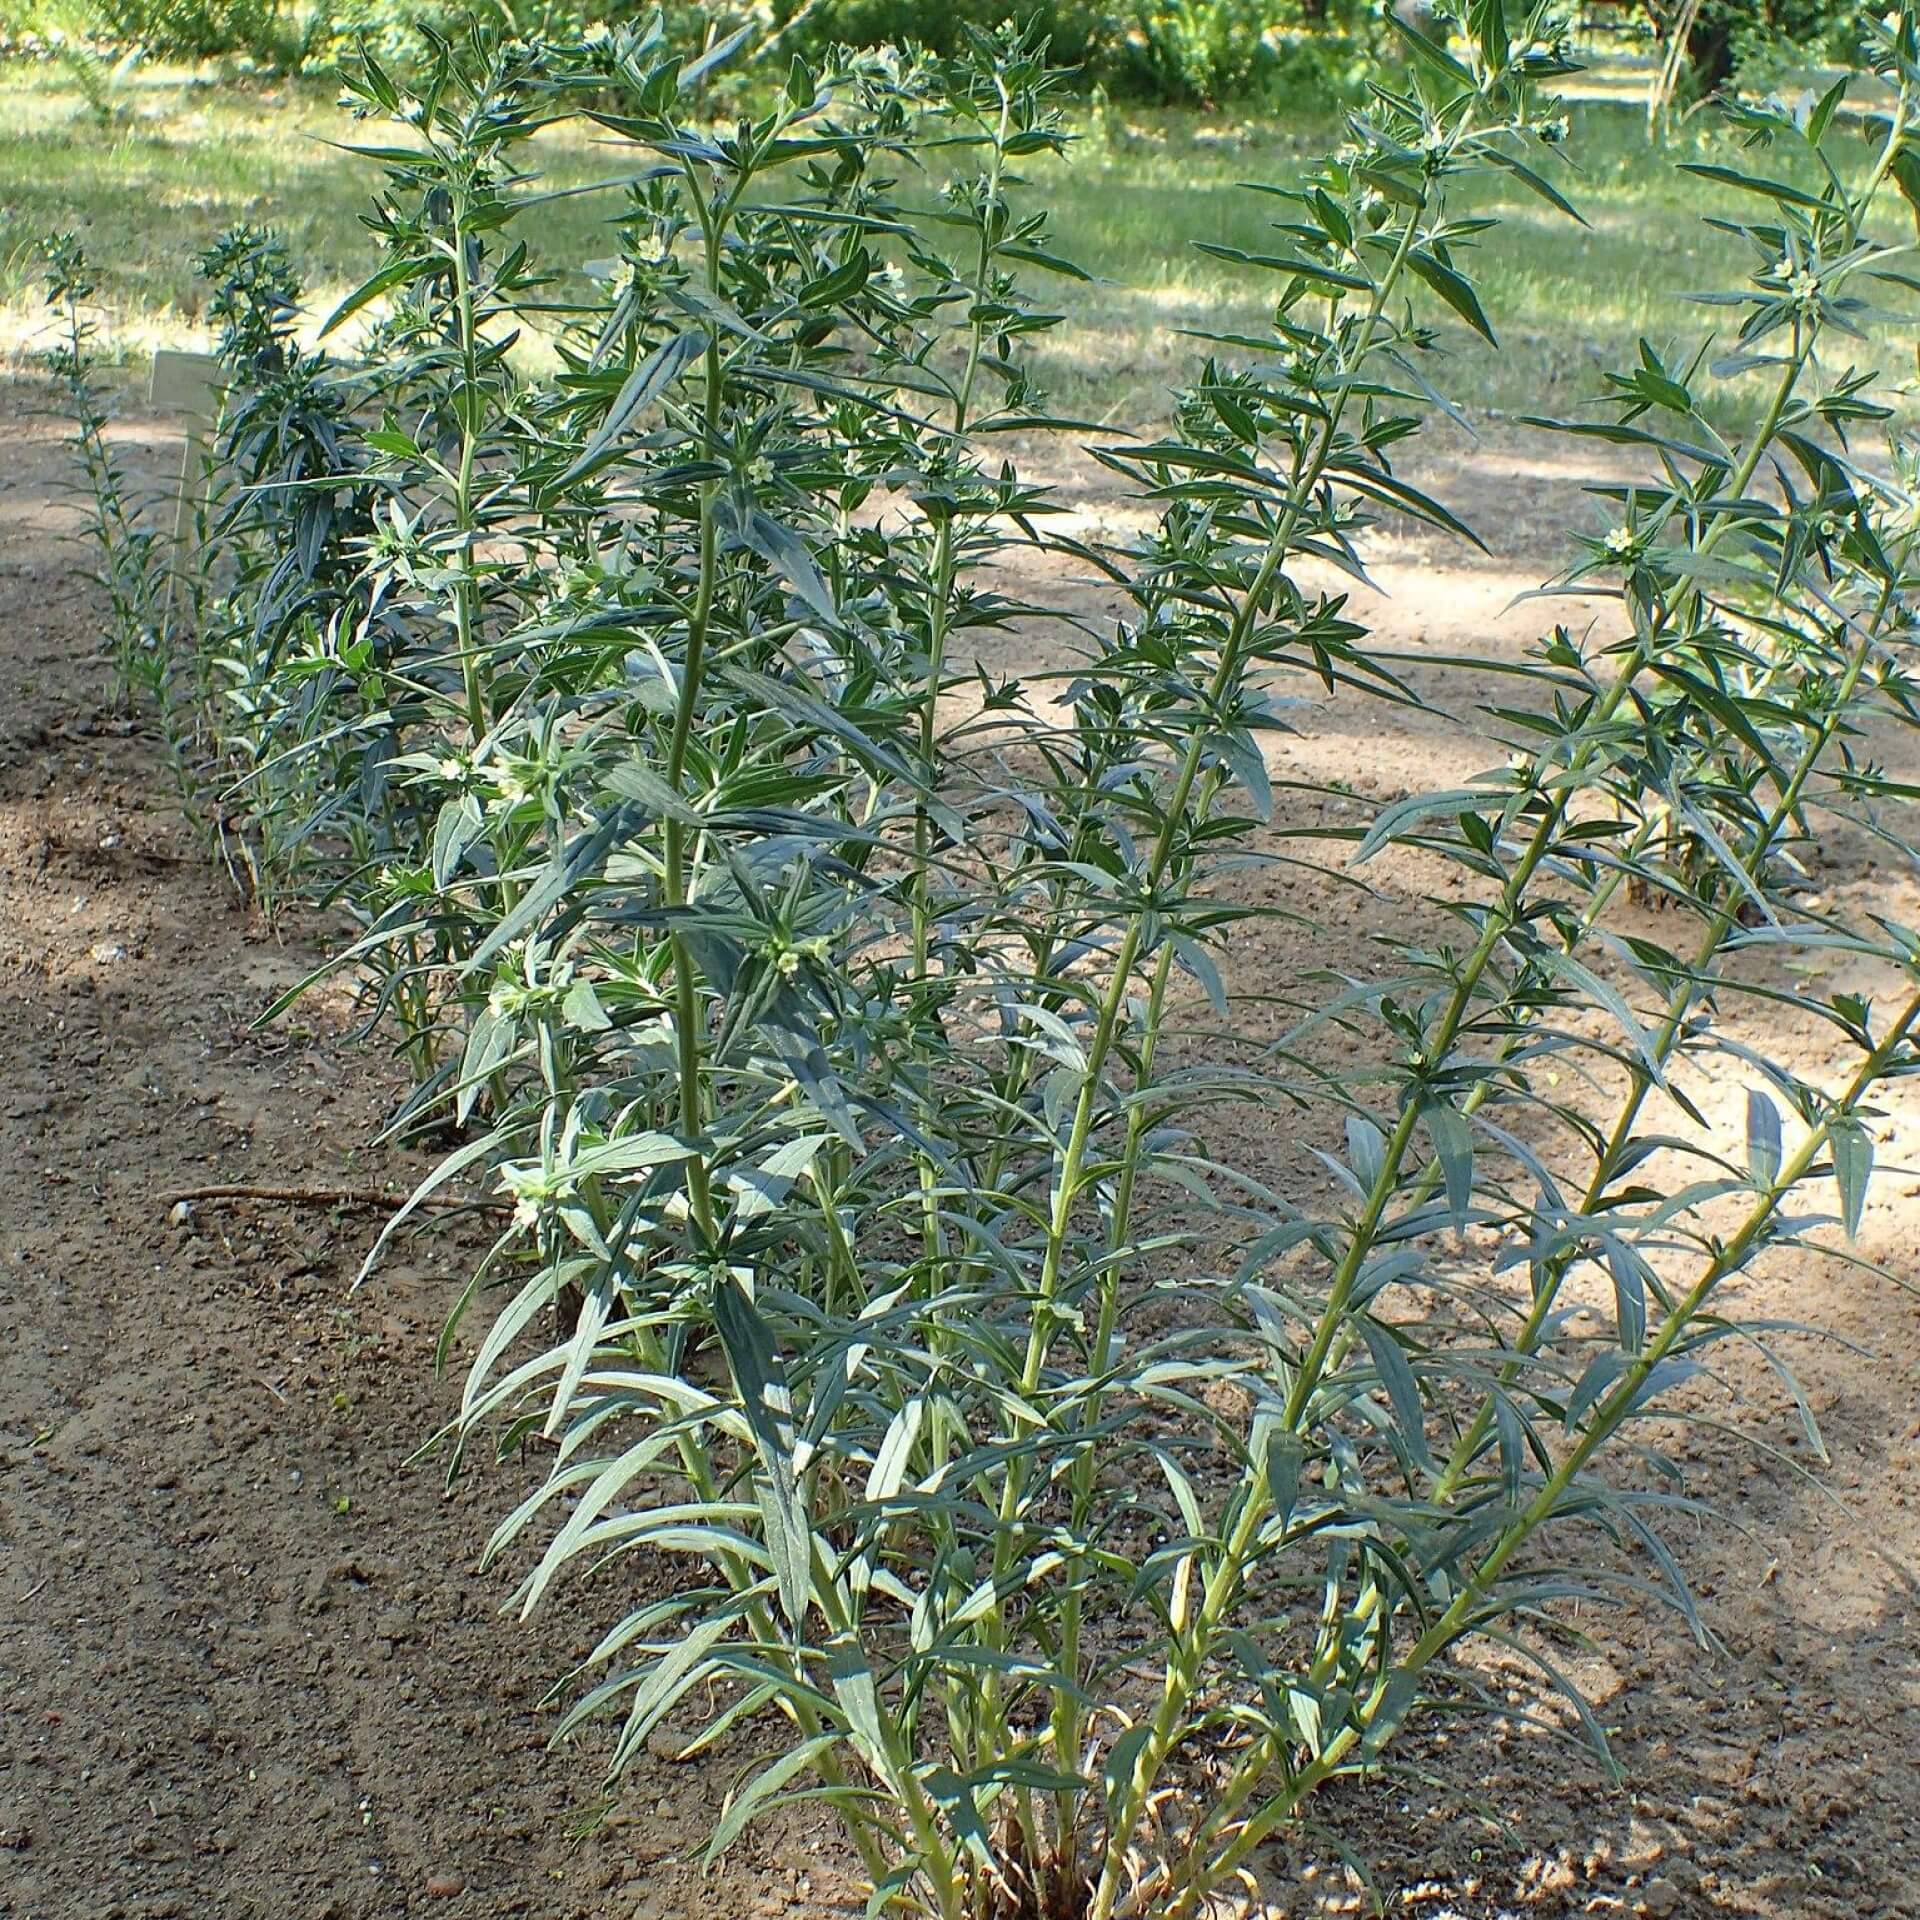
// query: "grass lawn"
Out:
[185,156]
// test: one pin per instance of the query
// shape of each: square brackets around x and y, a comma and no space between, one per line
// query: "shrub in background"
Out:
[1171,52]
[194,29]
[1195,52]
[295,35]
[1080,33]
[1745,38]
[273,33]
[391,29]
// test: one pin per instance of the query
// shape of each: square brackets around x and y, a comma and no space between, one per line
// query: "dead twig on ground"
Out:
[336,1197]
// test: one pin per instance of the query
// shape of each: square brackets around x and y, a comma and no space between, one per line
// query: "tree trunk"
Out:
[1710,52]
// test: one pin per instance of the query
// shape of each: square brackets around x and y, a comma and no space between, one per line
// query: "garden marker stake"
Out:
[187,384]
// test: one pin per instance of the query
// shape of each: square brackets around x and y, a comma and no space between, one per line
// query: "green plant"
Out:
[1198,50]
[391,30]
[1078,33]
[95,80]
[278,532]
[846,1024]
[933,1468]
[195,29]
[136,563]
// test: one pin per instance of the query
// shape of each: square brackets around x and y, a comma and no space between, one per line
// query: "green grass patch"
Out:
[183,156]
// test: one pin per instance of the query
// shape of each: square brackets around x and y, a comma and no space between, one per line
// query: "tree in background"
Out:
[1725,35]
[1078,31]
[1171,52]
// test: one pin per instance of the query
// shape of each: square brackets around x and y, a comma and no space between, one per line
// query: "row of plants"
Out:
[971,1442]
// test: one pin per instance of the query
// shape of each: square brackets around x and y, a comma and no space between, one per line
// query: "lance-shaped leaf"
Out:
[646,383]
[767,1401]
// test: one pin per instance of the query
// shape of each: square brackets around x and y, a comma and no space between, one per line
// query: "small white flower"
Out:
[1620,543]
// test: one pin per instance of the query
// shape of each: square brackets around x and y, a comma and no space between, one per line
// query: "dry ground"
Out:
[246,1665]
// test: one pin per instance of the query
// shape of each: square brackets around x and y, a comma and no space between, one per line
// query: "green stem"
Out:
[472,685]
[1614,1410]
[1174,818]
[675,883]
[1066,1192]
[942,575]
[1185,1669]
[1066,1713]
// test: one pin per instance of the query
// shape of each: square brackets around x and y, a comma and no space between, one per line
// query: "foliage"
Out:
[1171,52]
[1749,38]
[847,1025]
[1166,51]
[274,33]
[1785,35]
[1198,50]
[278,538]
[151,596]
[133,564]
[1079,33]
[391,29]
[193,29]
[290,35]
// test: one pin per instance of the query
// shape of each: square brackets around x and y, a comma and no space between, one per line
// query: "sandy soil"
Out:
[246,1665]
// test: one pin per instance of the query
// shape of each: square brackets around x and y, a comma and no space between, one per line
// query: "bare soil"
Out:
[247,1666]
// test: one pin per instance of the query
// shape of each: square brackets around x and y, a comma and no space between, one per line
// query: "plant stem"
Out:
[943,573]
[676,892]
[1185,1669]
[1614,1410]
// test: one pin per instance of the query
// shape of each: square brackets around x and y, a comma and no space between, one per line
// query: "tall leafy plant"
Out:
[941,1489]
[908,1460]
[138,568]
[273,562]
